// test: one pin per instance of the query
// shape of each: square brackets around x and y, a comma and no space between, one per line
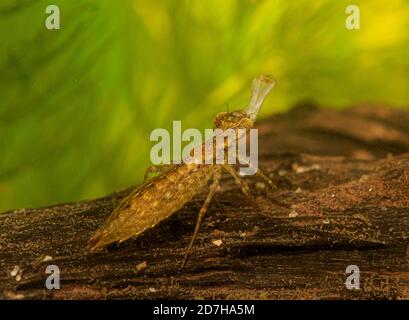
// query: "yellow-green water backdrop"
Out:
[77,105]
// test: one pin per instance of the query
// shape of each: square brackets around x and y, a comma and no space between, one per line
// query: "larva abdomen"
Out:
[152,203]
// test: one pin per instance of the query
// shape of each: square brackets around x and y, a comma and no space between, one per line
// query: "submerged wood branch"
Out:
[343,199]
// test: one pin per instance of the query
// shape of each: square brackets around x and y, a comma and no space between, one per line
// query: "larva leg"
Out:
[202,212]
[263,176]
[159,169]
[258,173]
[243,186]
[239,181]
[266,179]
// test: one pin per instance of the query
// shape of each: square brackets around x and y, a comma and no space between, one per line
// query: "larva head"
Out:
[238,119]
[241,119]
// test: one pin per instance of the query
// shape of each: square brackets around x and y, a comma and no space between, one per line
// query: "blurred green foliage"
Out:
[77,105]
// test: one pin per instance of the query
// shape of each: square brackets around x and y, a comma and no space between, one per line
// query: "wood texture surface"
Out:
[343,199]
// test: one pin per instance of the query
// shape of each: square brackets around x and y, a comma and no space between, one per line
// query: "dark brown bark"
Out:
[343,199]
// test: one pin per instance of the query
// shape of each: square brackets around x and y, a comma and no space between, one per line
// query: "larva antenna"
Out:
[261,86]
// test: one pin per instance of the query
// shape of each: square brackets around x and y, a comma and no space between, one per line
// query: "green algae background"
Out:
[77,105]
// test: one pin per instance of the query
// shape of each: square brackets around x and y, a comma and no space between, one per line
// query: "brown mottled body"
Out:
[159,198]
[153,202]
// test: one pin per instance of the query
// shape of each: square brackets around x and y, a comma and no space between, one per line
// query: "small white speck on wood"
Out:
[293,214]
[15,271]
[301,169]
[141,266]
[217,242]
[260,185]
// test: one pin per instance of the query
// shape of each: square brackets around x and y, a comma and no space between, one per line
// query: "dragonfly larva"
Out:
[160,197]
